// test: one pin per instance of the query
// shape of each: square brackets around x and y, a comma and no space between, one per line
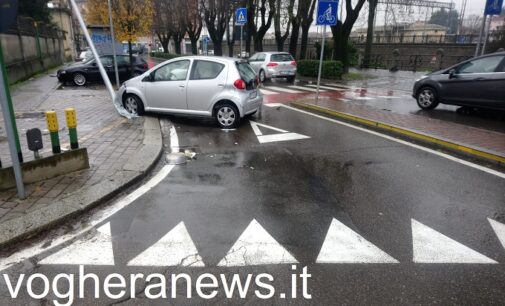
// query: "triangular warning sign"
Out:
[256,247]
[174,249]
[430,246]
[343,245]
[281,136]
[241,17]
[499,230]
[95,250]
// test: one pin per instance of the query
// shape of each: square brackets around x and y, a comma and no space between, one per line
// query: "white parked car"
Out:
[223,88]
[269,65]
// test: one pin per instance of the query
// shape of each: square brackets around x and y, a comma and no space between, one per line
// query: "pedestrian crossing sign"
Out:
[241,16]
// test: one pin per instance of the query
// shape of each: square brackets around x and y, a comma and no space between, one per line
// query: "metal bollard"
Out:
[72,127]
[52,126]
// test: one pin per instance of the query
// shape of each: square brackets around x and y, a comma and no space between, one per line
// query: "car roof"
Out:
[211,58]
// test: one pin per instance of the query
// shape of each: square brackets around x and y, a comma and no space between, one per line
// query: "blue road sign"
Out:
[8,13]
[241,16]
[206,39]
[327,12]
[494,7]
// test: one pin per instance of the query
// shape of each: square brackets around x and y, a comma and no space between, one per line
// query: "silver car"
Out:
[223,88]
[270,65]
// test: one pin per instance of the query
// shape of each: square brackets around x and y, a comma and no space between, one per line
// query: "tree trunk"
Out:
[130,52]
[372,5]
[218,48]
[305,38]
[177,43]
[340,42]
[293,41]
[194,46]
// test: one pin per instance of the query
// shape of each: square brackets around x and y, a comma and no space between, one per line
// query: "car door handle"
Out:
[220,85]
[182,86]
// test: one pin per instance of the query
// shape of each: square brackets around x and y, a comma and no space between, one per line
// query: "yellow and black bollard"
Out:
[52,126]
[72,127]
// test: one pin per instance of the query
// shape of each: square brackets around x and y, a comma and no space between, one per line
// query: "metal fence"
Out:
[426,39]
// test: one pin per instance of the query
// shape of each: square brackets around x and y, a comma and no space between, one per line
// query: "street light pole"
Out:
[113,40]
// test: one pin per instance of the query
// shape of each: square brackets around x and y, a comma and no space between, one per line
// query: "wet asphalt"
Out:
[294,189]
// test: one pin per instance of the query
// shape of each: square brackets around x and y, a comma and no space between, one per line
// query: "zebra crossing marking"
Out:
[268,92]
[176,248]
[256,246]
[305,88]
[326,87]
[430,246]
[282,89]
[345,246]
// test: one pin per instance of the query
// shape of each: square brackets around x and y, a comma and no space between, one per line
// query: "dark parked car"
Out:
[479,82]
[87,72]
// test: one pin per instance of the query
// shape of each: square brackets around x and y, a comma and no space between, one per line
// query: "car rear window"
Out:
[247,74]
[281,58]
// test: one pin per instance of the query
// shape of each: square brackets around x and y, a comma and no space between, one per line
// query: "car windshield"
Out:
[284,57]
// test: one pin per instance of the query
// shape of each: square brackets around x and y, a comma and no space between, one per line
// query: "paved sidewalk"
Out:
[120,151]
[466,139]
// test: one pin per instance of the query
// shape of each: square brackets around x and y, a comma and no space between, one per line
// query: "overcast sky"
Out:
[472,7]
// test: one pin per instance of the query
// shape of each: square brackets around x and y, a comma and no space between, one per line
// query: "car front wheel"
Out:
[227,116]
[427,98]
[133,105]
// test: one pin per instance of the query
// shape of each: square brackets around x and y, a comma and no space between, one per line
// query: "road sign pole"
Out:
[10,128]
[487,35]
[113,40]
[321,64]
[241,39]
[481,33]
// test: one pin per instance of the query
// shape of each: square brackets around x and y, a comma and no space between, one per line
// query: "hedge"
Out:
[310,68]
[167,56]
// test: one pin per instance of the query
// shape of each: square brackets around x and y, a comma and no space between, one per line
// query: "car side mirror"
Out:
[452,73]
[149,78]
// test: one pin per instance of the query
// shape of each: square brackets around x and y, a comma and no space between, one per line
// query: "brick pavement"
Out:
[110,139]
[480,139]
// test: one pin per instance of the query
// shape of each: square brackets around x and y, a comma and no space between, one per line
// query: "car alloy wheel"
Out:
[427,99]
[79,79]
[131,105]
[226,116]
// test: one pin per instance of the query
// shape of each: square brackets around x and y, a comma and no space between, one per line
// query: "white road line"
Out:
[95,250]
[446,156]
[343,245]
[305,88]
[176,248]
[430,246]
[256,247]
[327,87]
[282,89]
[499,230]
[340,86]
[268,92]
[388,97]
[39,247]
[272,104]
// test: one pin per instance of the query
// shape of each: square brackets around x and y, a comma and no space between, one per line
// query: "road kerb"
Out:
[481,154]
[39,219]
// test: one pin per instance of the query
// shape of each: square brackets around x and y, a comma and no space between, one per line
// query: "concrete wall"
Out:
[21,56]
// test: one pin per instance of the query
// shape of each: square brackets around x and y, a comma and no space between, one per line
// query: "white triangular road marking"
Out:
[174,249]
[499,230]
[284,136]
[96,251]
[430,246]
[343,245]
[256,247]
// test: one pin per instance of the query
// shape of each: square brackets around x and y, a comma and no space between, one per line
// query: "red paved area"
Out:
[484,140]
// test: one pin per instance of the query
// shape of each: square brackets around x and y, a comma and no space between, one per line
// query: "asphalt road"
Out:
[374,221]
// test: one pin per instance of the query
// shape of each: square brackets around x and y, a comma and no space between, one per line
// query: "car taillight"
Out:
[293,63]
[239,84]
[272,64]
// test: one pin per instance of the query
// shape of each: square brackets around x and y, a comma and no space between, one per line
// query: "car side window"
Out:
[106,61]
[123,60]
[254,58]
[261,57]
[175,71]
[481,65]
[206,70]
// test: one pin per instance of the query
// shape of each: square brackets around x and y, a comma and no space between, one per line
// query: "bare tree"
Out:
[178,22]
[282,20]
[372,7]
[306,22]
[194,24]
[342,31]
[260,16]
[162,22]
[216,15]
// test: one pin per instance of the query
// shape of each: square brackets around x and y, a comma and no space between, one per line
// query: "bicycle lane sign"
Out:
[327,12]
